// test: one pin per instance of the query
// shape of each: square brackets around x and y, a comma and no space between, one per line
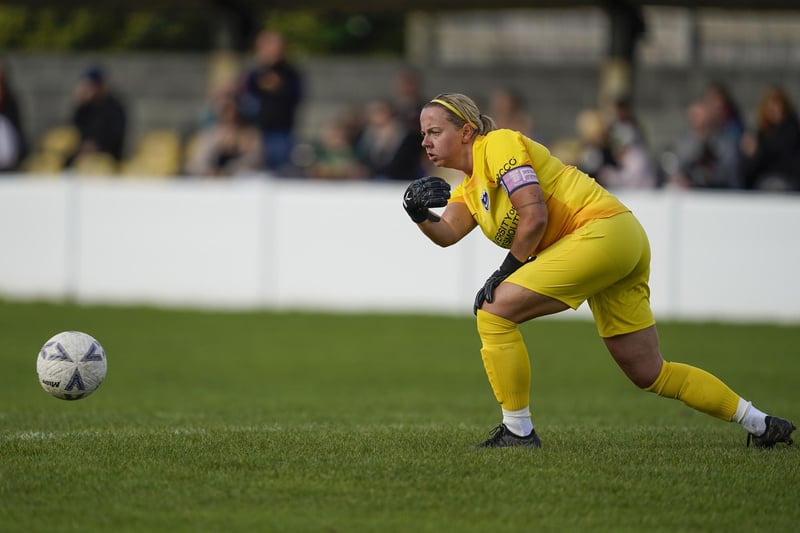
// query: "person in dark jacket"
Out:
[99,116]
[271,95]
[772,154]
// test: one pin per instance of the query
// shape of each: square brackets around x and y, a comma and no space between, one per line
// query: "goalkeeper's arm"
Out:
[456,221]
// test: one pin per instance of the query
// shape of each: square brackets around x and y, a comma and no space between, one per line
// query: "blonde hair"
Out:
[461,109]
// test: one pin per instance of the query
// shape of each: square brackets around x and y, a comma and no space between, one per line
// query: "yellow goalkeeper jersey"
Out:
[573,198]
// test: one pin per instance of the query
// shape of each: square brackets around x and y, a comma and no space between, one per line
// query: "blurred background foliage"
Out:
[98,28]
[341,34]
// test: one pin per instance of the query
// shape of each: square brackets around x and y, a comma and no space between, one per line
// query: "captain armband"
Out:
[519,177]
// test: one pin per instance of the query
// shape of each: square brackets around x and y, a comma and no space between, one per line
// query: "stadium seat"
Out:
[158,154]
[60,140]
[43,163]
[55,146]
[97,164]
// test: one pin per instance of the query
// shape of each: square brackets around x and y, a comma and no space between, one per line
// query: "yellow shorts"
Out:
[606,262]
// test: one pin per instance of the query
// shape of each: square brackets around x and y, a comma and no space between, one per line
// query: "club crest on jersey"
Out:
[485,200]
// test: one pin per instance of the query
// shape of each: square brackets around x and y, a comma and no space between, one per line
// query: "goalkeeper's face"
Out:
[443,142]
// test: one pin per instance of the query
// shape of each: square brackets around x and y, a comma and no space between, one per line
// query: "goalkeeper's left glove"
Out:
[486,293]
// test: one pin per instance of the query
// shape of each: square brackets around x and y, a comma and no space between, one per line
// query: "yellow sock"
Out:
[697,389]
[505,359]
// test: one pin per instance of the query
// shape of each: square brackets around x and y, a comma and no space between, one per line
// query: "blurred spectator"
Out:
[12,138]
[691,162]
[354,121]
[334,155]
[408,100]
[772,155]
[708,156]
[624,114]
[387,148]
[272,93]
[632,167]
[725,137]
[226,147]
[507,108]
[723,110]
[594,152]
[9,146]
[216,98]
[99,116]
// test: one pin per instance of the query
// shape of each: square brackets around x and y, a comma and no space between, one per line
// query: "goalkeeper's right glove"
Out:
[423,193]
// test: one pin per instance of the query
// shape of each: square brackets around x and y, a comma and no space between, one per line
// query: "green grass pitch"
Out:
[263,421]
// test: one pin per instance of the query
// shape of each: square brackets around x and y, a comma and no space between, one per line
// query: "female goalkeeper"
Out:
[569,240]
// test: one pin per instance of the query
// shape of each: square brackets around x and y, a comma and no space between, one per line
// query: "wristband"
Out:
[511,264]
[421,215]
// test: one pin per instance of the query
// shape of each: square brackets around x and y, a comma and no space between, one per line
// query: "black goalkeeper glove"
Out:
[486,293]
[424,193]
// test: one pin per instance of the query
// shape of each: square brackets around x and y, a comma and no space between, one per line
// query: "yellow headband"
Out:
[455,111]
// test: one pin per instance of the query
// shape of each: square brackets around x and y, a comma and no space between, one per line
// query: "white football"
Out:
[71,365]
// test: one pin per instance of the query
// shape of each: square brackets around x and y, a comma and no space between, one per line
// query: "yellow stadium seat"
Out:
[43,163]
[55,146]
[96,164]
[60,140]
[158,154]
